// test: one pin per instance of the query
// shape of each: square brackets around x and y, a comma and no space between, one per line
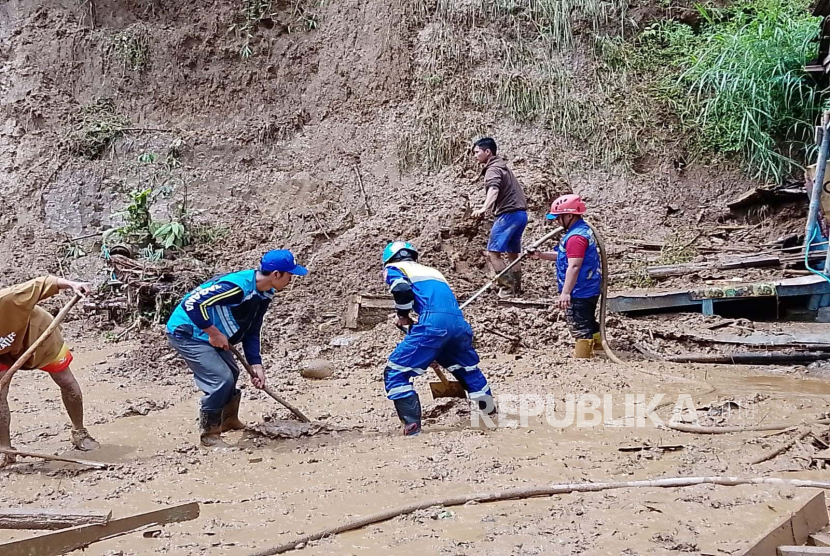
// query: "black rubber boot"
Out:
[230,415]
[409,412]
[210,428]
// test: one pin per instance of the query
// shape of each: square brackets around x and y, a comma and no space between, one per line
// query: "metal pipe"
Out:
[815,197]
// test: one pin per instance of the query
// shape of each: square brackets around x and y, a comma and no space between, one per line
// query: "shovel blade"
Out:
[449,389]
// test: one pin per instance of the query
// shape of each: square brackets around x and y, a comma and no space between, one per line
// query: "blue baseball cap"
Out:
[281,260]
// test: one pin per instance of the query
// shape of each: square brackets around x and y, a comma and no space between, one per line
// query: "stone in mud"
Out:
[317,369]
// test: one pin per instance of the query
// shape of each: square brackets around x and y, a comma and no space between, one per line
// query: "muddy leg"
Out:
[73,400]
[5,426]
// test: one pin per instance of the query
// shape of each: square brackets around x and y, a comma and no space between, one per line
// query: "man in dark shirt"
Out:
[225,311]
[507,199]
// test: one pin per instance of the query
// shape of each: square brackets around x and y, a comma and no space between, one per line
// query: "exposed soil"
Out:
[275,149]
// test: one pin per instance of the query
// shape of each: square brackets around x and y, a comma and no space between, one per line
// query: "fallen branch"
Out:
[16,518]
[530,492]
[88,463]
[362,190]
[781,449]
[698,429]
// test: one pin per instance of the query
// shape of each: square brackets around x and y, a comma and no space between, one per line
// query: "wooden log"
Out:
[61,542]
[794,529]
[18,518]
[49,457]
[781,449]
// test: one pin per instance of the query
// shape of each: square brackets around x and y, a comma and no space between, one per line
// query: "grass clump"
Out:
[132,47]
[739,83]
[98,127]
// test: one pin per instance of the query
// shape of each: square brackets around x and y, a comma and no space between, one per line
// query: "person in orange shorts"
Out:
[21,323]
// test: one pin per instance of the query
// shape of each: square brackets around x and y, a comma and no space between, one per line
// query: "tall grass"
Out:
[746,88]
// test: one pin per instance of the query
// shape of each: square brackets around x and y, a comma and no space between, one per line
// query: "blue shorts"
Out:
[506,235]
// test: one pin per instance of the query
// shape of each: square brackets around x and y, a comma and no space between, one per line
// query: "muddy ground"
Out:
[142,407]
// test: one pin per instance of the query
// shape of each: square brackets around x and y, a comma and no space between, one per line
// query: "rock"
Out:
[317,369]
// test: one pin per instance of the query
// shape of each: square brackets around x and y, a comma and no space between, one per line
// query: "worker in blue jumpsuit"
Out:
[441,334]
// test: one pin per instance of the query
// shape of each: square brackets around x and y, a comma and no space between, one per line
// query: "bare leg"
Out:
[495,261]
[5,426]
[73,400]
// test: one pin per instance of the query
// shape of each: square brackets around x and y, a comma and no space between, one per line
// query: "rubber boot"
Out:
[83,441]
[488,406]
[517,282]
[409,412]
[507,285]
[230,415]
[210,426]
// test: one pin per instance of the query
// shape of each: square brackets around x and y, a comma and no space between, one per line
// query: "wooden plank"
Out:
[60,542]
[352,312]
[795,529]
[820,539]
[803,551]
[19,518]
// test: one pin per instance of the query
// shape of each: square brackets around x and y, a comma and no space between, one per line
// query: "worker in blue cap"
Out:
[224,311]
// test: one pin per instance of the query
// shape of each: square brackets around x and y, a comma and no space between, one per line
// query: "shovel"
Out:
[446,388]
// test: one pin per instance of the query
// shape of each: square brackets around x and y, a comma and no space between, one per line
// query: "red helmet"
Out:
[566,204]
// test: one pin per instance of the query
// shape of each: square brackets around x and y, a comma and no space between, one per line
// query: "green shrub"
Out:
[739,84]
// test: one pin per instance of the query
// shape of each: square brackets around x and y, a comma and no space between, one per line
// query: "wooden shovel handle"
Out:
[300,415]
[7,378]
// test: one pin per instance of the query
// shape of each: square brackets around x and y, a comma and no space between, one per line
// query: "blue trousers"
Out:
[214,370]
[447,339]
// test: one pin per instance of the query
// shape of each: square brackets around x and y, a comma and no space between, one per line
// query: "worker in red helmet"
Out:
[578,270]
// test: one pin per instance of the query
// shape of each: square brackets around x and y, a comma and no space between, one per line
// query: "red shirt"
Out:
[576,246]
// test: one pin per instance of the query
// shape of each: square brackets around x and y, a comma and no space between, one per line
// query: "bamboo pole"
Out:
[530,492]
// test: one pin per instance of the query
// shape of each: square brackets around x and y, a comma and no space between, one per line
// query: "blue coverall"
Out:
[441,334]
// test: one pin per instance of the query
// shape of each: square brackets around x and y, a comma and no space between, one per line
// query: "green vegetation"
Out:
[132,47]
[738,85]
[98,125]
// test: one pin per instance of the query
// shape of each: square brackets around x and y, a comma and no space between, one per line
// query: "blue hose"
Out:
[807,256]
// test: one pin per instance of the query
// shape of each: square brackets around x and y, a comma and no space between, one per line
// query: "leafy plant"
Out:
[171,234]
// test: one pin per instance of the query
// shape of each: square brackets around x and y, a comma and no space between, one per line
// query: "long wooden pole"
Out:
[7,377]
[529,492]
